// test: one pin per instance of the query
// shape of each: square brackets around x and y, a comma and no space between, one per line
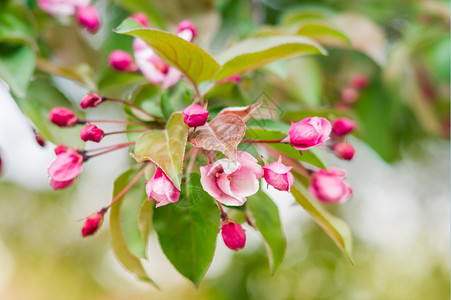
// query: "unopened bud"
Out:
[122,61]
[233,235]
[342,126]
[91,100]
[89,18]
[60,149]
[359,81]
[186,24]
[195,115]
[92,223]
[62,117]
[349,94]
[39,139]
[141,18]
[91,133]
[344,151]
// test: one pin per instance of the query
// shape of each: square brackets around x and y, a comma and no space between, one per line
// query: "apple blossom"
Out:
[195,115]
[233,235]
[279,176]
[122,61]
[65,168]
[230,183]
[91,133]
[91,100]
[161,188]
[62,7]
[89,18]
[342,126]
[62,117]
[309,133]
[92,223]
[344,151]
[329,187]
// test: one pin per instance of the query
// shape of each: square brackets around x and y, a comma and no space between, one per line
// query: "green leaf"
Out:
[121,249]
[166,148]
[147,7]
[265,217]
[16,66]
[254,53]
[323,33]
[166,106]
[196,64]
[336,228]
[187,230]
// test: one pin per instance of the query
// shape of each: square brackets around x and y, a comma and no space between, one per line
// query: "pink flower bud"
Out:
[187,25]
[195,115]
[1,166]
[279,176]
[141,18]
[344,151]
[359,81]
[161,188]
[60,149]
[309,133]
[342,126]
[65,168]
[230,182]
[39,138]
[89,18]
[91,100]
[122,61]
[233,235]
[234,78]
[91,133]
[92,223]
[349,94]
[329,187]
[62,117]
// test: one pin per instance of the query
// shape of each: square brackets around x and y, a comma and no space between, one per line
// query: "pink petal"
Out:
[65,167]
[172,77]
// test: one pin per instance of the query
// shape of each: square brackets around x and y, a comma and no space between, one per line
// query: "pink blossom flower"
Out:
[155,69]
[65,168]
[195,115]
[62,117]
[344,151]
[91,133]
[184,28]
[91,100]
[349,94]
[359,81]
[60,149]
[92,223]
[279,176]
[161,188]
[61,7]
[122,61]
[141,18]
[342,126]
[233,235]
[329,186]
[89,18]
[230,183]
[309,133]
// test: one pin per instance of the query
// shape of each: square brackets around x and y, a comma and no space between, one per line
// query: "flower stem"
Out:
[125,131]
[108,149]
[262,141]
[117,122]
[135,107]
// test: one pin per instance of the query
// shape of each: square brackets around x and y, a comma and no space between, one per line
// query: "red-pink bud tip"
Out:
[92,223]
[359,81]
[186,24]
[91,100]
[234,78]
[91,133]
[62,117]
[89,18]
[233,235]
[349,94]
[122,61]
[141,18]
[344,151]
[60,149]
[39,138]
[342,126]
[195,115]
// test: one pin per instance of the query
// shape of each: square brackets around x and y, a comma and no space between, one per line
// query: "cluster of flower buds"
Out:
[351,93]
[86,14]
[340,128]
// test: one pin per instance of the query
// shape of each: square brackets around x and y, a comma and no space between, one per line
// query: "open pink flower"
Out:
[195,115]
[62,7]
[62,117]
[155,69]
[233,235]
[309,133]
[65,168]
[279,176]
[161,188]
[231,183]
[88,17]
[329,186]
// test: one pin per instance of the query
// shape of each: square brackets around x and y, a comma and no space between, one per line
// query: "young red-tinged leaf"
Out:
[222,134]
[265,217]
[187,230]
[244,112]
[190,59]
[121,248]
[336,228]
[166,148]
[252,54]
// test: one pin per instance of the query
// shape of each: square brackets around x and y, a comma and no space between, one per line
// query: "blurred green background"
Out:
[400,210]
